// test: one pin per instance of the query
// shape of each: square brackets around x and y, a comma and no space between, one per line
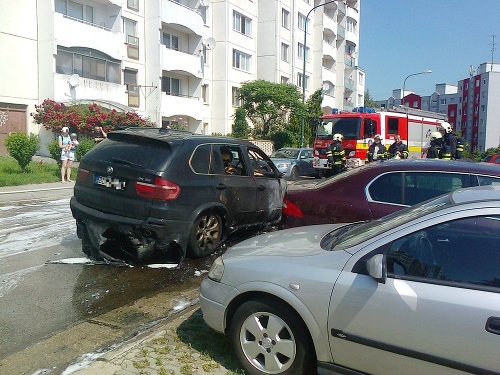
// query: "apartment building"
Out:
[173,61]
[470,105]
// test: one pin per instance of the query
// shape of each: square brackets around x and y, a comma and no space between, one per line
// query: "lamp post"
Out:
[304,67]
[404,83]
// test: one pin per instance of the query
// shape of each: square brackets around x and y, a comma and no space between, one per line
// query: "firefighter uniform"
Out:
[398,148]
[376,151]
[446,153]
[336,155]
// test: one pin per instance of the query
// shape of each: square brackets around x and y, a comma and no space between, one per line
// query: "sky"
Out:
[402,37]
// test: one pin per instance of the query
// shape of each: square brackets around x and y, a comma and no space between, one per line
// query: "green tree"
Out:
[269,106]
[312,115]
[240,126]
[369,102]
[22,147]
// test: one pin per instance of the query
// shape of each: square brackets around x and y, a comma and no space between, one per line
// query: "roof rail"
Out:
[418,112]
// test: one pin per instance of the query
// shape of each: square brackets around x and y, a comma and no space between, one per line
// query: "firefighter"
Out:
[377,150]
[336,154]
[434,150]
[449,138]
[460,148]
[398,150]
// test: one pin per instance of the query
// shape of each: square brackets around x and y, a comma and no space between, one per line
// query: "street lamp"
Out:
[404,83]
[304,68]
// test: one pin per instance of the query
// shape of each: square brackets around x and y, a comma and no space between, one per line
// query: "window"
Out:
[133,4]
[415,104]
[261,166]
[129,29]
[442,101]
[130,80]
[241,60]
[409,188]
[242,23]
[485,180]
[392,125]
[170,41]
[284,52]
[171,86]
[99,67]
[284,80]
[300,52]
[285,18]
[204,93]
[449,252]
[75,10]
[235,93]
[300,80]
[303,23]
[200,160]
[233,164]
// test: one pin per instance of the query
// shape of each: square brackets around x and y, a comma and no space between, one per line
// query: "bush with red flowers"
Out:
[82,118]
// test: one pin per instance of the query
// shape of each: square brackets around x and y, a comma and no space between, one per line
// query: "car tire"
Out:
[205,236]
[89,249]
[319,173]
[294,173]
[284,349]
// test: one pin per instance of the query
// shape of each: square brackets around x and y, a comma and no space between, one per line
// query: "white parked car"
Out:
[415,292]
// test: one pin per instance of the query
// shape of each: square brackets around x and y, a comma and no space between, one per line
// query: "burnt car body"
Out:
[159,191]
[378,189]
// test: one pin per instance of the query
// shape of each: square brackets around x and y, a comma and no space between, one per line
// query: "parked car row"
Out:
[378,287]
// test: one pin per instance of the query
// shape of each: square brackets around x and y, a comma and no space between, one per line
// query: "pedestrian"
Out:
[434,150]
[98,134]
[398,150]
[67,154]
[336,154]
[376,151]
[449,139]
[75,143]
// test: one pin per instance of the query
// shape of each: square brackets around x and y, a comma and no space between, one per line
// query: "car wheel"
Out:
[294,173]
[89,249]
[205,235]
[269,338]
[319,173]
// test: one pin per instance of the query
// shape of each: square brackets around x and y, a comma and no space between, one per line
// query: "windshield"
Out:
[374,228]
[285,153]
[349,127]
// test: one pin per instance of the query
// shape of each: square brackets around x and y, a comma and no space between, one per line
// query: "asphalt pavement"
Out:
[156,351]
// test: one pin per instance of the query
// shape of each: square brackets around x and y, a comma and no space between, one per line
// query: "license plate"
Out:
[110,182]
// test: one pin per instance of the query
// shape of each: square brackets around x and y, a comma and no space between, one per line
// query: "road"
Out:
[48,289]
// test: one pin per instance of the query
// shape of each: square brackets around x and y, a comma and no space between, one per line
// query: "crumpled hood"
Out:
[294,242]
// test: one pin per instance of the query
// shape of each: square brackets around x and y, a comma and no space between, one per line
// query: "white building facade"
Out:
[173,61]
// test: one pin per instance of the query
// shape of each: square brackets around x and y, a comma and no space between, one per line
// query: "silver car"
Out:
[415,292]
[294,162]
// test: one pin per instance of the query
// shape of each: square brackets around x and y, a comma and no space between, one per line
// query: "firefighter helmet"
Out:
[446,127]
[436,135]
[338,137]
[377,136]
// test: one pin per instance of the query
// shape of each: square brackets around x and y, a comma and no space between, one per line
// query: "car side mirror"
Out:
[376,268]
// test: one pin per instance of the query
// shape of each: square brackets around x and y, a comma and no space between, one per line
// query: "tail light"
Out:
[82,175]
[162,189]
[291,209]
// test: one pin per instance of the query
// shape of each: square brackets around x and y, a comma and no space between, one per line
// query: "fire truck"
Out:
[358,128]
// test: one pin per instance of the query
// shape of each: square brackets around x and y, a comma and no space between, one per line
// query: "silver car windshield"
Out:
[360,233]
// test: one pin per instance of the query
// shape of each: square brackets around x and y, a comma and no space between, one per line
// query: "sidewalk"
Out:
[35,192]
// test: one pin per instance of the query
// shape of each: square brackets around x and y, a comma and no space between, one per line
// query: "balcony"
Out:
[348,105]
[177,14]
[341,7]
[340,32]
[72,32]
[329,24]
[176,61]
[328,102]
[172,105]
[329,50]
[328,75]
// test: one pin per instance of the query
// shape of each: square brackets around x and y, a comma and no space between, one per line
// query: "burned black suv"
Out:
[158,191]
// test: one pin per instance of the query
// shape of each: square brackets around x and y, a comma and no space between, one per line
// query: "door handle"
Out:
[493,325]
[261,187]
[220,186]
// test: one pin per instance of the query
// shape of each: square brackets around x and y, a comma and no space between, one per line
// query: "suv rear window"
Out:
[144,152]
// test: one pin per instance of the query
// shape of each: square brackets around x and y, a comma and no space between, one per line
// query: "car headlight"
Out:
[217,270]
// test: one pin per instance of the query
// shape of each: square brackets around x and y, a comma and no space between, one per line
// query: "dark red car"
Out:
[377,189]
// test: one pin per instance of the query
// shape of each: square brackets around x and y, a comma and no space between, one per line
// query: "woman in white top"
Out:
[67,154]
